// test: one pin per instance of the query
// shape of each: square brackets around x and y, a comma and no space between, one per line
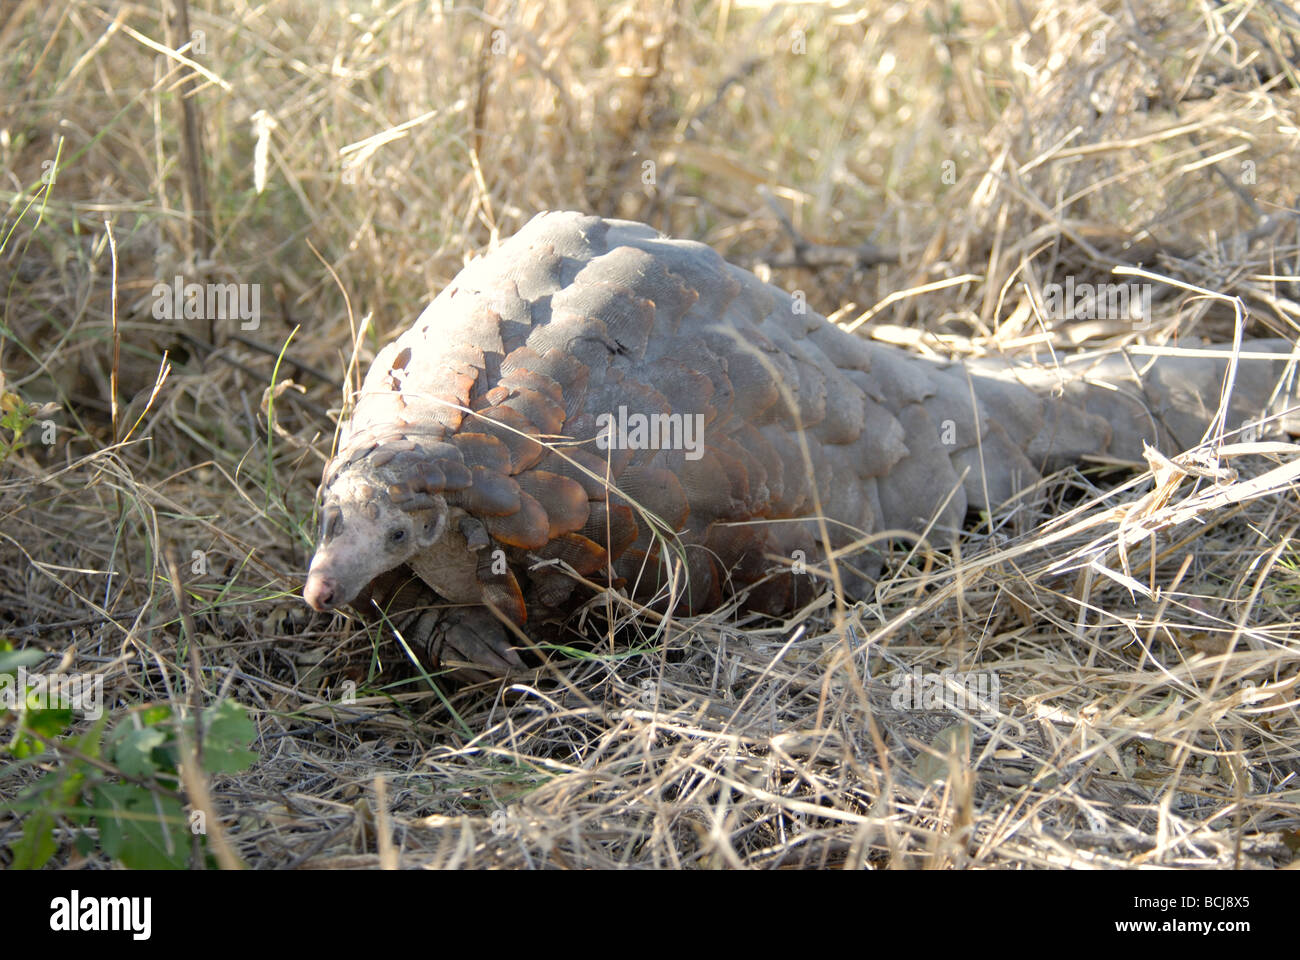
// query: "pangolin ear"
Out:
[428,532]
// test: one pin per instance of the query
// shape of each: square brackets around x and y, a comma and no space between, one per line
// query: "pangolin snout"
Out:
[320,592]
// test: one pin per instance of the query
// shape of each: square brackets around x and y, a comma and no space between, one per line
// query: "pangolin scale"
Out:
[732,416]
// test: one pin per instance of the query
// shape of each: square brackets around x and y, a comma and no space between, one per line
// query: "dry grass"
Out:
[1141,722]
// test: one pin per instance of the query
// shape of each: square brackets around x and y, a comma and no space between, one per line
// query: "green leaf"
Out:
[155,715]
[24,747]
[90,742]
[111,799]
[35,847]
[48,723]
[70,790]
[155,838]
[227,732]
[134,754]
[11,660]
[143,830]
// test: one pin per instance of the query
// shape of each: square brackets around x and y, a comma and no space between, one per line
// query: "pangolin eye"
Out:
[396,535]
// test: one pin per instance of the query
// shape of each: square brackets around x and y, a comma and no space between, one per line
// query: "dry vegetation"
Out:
[964,156]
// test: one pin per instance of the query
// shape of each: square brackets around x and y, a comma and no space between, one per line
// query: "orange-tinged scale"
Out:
[502,592]
[493,397]
[755,474]
[481,450]
[453,385]
[552,587]
[541,411]
[428,478]
[764,454]
[566,329]
[460,386]
[514,432]
[564,369]
[526,376]
[438,476]
[572,376]
[691,391]
[527,527]
[455,475]
[489,494]
[735,472]
[645,574]
[708,490]
[564,500]
[705,588]
[739,550]
[613,528]
[657,491]
[388,451]
[579,465]
[443,408]
[583,555]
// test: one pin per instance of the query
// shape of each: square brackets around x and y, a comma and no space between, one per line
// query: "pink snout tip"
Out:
[320,592]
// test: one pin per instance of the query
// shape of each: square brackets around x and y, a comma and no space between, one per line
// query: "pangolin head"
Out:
[373,518]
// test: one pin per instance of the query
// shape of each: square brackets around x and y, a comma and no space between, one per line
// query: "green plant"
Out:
[119,788]
[15,417]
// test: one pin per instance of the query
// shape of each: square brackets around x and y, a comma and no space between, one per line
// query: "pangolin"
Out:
[594,398]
